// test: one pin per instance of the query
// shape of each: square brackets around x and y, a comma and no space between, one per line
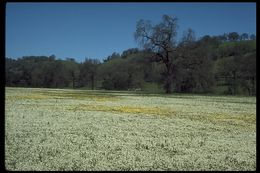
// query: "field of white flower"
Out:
[54,129]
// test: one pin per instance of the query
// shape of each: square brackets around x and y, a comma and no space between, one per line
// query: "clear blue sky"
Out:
[96,30]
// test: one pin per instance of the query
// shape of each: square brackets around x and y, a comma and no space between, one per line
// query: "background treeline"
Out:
[224,64]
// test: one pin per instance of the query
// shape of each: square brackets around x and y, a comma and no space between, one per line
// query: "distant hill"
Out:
[250,43]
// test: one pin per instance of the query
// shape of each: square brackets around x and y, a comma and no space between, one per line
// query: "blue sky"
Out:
[96,30]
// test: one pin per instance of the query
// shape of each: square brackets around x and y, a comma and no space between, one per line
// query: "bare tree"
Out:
[188,36]
[161,39]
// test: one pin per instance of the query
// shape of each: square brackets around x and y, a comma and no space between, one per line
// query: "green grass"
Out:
[251,43]
[54,129]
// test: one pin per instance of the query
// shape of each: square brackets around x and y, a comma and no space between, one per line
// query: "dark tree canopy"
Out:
[222,64]
[252,37]
[161,39]
[233,36]
[244,36]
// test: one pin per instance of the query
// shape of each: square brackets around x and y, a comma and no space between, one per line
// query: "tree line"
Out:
[224,64]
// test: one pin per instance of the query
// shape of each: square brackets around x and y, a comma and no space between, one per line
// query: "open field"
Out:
[53,129]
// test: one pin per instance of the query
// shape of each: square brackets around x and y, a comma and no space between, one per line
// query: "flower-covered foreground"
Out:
[54,129]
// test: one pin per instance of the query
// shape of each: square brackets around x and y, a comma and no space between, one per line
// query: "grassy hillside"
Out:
[250,43]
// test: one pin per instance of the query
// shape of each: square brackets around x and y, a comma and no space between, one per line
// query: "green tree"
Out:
[161,39]
[188,36]
[88,72]
[248,72]
[113,56]
[194,64]
[129,52]
[223,37]
[113,74]
[252,37]
[72,70]
[13,73]
[244,36]
[233,36]
[237,67]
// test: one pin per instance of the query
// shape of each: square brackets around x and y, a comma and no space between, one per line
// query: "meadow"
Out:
[55,129]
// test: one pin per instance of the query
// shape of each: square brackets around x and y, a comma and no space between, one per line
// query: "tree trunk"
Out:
[92,82]
[253,86]
[73,82]
[234,83]
[168,84]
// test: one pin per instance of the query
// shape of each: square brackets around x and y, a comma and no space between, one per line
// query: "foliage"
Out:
[209,64]
[233,36]
[88,73]
[161,39]
[127,75]
[237,67]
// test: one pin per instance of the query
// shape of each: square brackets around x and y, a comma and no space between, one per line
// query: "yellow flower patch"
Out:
[235,118]
[124,109]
